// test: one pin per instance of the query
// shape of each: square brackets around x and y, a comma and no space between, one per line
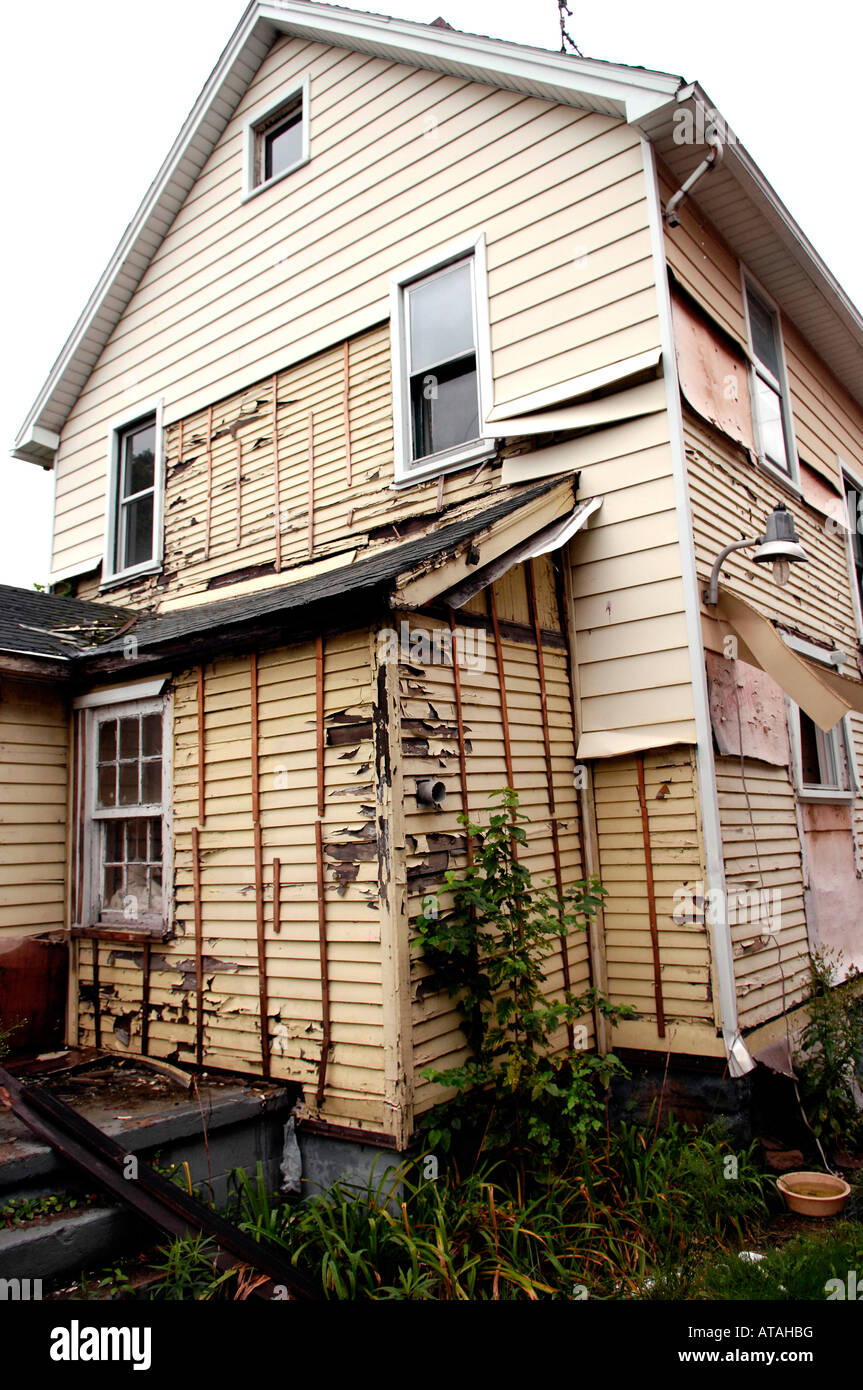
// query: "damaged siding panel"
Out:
[826,421]
[369,203]
[34,737]
[677,859]
[766,886]
[287,760]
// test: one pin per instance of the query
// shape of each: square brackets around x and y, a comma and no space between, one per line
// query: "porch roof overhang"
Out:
[354,593]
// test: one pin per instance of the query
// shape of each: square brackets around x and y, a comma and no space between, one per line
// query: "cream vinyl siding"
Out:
[628,604]
[403,162]
[827,421]
[677,857]
[34,738]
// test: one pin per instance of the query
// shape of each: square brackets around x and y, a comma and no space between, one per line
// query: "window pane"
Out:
[129,738]
[156,890]
[441,318]
[139,531]
[129,784]
[136,841]
[155,840]
[771,431]
[114,842]
[151,782]
[763,328]
[283,146]
[108,741]
[108,785]
[151,735]
[810,762]
[139,461]
[445,409]
[112,889]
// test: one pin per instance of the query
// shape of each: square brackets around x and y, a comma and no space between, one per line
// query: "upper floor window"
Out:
[854,506]
[133,531]
[277,141]
[441,364]
[771,408]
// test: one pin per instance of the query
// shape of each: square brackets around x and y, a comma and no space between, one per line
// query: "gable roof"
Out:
[645,98]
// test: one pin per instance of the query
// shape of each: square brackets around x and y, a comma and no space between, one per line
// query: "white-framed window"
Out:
[135,497]
[441,363]
[124,860]
[768,384]
[277,139]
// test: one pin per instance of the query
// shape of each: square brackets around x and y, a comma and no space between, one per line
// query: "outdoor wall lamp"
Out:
[779,546]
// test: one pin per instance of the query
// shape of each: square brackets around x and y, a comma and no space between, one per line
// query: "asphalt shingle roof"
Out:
[46,625]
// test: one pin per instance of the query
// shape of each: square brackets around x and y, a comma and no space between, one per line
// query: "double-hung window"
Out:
[134,503]
[441,366]
[769,390]
[124,816]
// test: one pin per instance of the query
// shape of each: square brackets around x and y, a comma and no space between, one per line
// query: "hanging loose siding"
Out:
[730,499]
[765,889]
[403,162]
[34,735]
[677,860]
[288,791]
[826,421]
[430,706]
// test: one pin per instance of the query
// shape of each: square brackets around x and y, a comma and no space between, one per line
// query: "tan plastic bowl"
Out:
[814,1194]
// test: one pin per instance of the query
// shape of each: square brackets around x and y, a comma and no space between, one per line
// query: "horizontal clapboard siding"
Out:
[239,290]
[33,790]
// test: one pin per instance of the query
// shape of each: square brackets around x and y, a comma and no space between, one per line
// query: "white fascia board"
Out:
[630,93]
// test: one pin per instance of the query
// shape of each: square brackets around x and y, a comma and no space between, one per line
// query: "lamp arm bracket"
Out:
[711,594]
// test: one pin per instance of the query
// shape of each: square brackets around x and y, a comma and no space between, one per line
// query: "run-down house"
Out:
[398,441]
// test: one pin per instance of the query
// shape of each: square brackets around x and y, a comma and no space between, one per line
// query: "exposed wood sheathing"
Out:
[34,738]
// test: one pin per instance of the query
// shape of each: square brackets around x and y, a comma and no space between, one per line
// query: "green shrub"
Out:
[831,1047]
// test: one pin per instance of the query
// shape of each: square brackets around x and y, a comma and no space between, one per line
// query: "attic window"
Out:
[277,142]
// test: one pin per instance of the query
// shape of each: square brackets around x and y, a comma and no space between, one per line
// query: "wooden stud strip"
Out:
[199,946]
[319,719]
[277,483]
[319,862]
[97,1000]
[346,402]
[311,482]
[202,760]
[549,772]
[259,871]
[209,520]
[651,897]
[145,1000]
[459,714]
[277,896]
[325,977]
[504,717]
[180,441]
[239,490]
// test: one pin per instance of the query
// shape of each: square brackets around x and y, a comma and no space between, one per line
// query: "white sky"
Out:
[95,92]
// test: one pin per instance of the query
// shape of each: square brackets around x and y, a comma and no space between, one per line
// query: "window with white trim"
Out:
[126,795]
[823,761]
[771,407]
[277,141]
[441,361]
[134,504]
